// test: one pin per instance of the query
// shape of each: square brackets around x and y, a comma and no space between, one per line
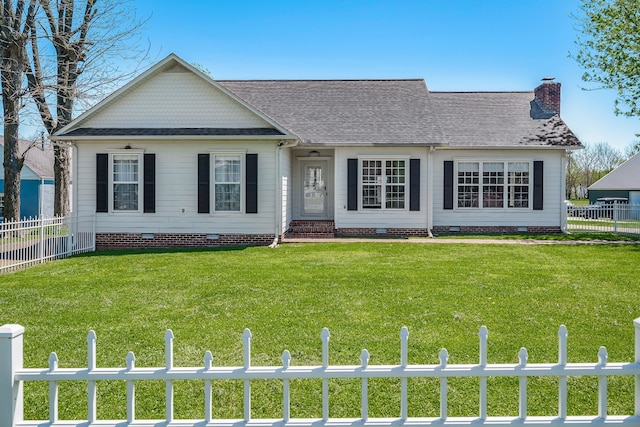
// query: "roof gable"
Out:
[39,159]
[624,177]
[172,94]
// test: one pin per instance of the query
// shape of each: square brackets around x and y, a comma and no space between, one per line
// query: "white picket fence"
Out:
[13,375]
[33,241]
[614,218]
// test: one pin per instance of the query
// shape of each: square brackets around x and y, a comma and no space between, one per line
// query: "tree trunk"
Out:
[11,75]
[61,169]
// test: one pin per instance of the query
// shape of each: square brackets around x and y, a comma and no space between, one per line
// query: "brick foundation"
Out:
[106,241]
[446,230]
[392,232]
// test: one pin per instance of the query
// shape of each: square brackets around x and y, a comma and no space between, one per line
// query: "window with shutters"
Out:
[493,184]
[383,183]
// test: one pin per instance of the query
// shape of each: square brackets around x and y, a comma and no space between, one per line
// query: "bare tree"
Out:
[14,30]
[589,165]
[632,149]
[89,43]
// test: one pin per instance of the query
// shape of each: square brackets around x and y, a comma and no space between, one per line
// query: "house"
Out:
[623,181]
[36,180]
[175,158]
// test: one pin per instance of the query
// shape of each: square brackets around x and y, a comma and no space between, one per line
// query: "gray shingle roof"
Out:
[624,177]
[39,159]
[345,111]
[174,132]
[499,119]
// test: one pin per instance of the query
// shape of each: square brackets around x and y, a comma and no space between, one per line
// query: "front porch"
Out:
[317,229]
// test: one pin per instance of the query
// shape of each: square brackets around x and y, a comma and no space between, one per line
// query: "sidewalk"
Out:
[436,240]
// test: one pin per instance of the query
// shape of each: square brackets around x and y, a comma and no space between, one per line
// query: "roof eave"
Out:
[513,147]
[172,137]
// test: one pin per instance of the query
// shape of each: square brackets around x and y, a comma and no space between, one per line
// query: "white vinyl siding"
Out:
[380,218]
[194,103]
[176,189]
[550,216]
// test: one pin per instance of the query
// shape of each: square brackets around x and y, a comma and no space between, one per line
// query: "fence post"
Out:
[636,325]
[10,361]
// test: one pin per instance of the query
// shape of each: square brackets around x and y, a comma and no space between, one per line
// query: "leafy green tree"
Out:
[609,49]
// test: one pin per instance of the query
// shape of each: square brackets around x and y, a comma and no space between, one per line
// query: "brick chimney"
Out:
[549,94]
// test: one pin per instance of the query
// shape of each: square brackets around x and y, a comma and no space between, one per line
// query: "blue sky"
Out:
[455,45]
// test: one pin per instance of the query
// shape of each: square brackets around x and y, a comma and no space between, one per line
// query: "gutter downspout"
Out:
[74,176]
[564,221]
[430,190]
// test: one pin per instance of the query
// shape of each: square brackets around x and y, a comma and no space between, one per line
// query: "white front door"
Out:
[314,189]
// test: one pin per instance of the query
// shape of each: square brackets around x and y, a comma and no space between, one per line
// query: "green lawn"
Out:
[363,292]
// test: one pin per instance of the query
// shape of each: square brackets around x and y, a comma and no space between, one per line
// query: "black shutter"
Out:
[102,182]
[149,193]
[251,203]
[352,184]
[203,183]
[414,184]
[538,185]
[448,184]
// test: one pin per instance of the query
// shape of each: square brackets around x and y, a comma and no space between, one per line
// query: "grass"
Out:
[574,236]
[363,292]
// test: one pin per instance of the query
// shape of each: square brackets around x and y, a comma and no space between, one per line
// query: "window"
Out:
[383,184]
[227,183]
[468,185]
[493,191]
[126,182]
[518,189]
[1,204]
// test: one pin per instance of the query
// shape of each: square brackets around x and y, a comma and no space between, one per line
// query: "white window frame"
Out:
[113,154]
[383,183]
[506,184]
[212,178]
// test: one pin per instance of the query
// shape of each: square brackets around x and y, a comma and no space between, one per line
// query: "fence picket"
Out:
[324,336]
[484,336]
[444,358]
[523,357]
[286,405]
[131,389]
[602,384]
[53,390]
[91,386]
[562,381]
[168,357]
[404,361]
[246,337]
